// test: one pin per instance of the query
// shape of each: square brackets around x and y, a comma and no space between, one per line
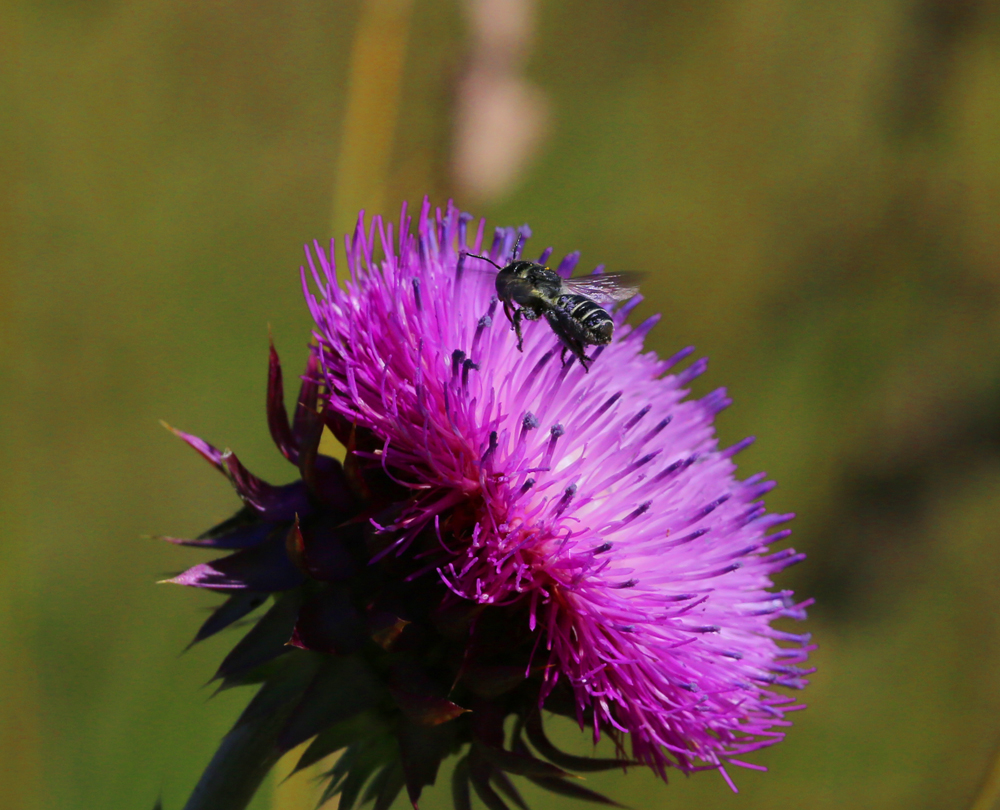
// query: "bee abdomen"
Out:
[591,316]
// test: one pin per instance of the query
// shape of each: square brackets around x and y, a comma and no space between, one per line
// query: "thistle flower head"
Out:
[507,532]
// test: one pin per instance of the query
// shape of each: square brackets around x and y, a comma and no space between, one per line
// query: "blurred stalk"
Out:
[989,793]
[378,56]
[22,782]
[501,117]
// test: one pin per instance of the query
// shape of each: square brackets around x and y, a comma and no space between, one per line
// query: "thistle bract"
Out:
[508,533]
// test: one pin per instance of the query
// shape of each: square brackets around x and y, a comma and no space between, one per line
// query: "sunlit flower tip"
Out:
[507,532]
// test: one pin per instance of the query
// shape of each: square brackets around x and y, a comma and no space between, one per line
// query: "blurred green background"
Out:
[814,188]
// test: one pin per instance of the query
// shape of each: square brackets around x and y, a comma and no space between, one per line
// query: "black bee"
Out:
[570,305]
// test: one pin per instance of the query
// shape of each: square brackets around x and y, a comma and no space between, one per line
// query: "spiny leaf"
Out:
[328,622]
[283,688]
[391,782]
[263,567]
[502,781]
[342,688]
[339,736]
[572,789]
[265,641]
[522,764]
[421,749]
[480,772]
[232,610]
[460,785]
[538,738]
[376,784]
[492,681]
[426,710]
[277,416]
[368,757]
[243,536]
[244,519]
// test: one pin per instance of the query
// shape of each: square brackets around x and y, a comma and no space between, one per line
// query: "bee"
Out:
[572,306]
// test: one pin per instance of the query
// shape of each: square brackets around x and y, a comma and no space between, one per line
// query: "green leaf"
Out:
[232,610]
[365,759]
[460,785]
[266,641]
[339,736]
[354,782]
[421,750]
[480,772]
[390,783]
[571,762]
[503,783]
[493,681]
[341,768]
[343,687]
[284,686]
[523,764]
[572,789]
[425,709]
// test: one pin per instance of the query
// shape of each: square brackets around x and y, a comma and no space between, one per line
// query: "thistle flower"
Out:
[507,533]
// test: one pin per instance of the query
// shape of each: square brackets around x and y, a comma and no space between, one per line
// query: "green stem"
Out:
[244,758]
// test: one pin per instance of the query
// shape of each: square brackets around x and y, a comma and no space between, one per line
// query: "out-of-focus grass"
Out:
[814,188]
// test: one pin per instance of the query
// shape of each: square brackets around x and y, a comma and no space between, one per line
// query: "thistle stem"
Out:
[246,755]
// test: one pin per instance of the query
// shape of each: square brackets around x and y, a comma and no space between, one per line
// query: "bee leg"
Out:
[514,316]
[522,314]
[508,311]
[516,320]
[577,354]
[569,333]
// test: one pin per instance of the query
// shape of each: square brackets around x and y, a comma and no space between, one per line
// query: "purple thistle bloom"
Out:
[507,532]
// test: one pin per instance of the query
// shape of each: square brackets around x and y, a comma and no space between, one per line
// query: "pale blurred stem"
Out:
[246,755]
[378,57]
[989,793]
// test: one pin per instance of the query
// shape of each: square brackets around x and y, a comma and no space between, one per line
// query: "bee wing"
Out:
[604,287]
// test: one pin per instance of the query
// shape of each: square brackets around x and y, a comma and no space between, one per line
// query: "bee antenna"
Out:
[517,246]
[485,259]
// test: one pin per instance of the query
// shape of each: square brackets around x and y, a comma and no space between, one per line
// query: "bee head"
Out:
[518,269]
[513,281]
